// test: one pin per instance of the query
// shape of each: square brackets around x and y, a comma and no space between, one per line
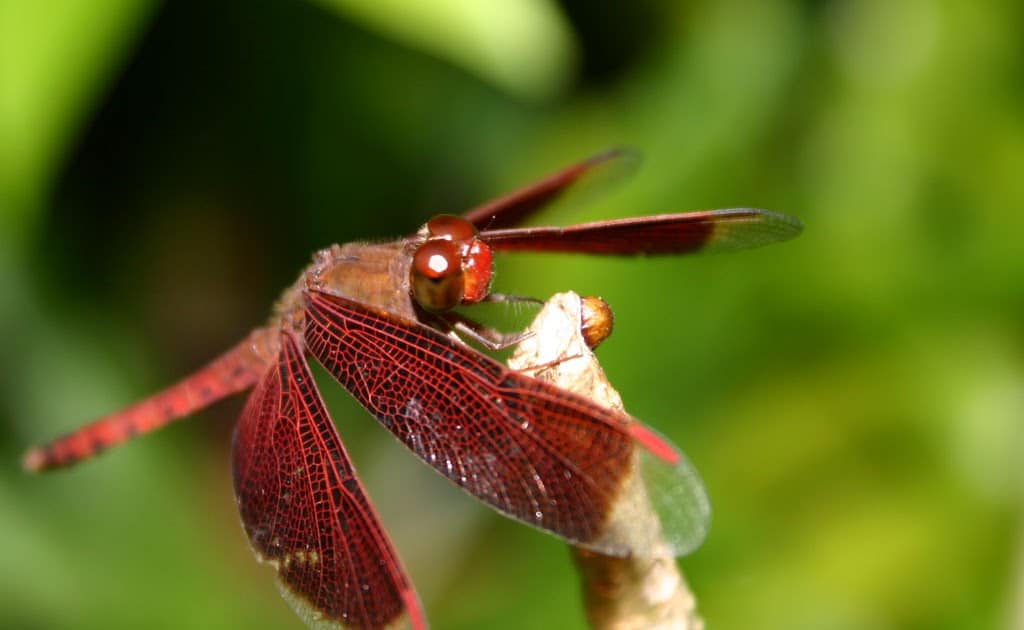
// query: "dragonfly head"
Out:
[451,266]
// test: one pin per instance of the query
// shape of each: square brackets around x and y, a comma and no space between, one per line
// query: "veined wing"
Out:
[306,512]
[579,179]
[706,231]
[533,451]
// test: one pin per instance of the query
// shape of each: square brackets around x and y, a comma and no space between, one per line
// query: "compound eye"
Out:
[451,227]
[436,276]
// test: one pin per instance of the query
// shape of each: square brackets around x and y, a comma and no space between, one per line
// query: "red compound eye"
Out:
[436,275]
[451,227]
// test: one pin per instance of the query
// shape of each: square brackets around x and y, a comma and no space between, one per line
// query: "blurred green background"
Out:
[854,399]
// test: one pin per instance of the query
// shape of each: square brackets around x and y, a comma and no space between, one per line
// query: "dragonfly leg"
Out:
[486,336]
[505,298]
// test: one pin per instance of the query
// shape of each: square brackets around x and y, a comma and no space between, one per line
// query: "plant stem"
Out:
[618,593]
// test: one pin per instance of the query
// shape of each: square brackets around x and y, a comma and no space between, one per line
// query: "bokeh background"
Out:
[854,398]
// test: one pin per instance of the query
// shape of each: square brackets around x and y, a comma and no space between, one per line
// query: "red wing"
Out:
[305,510]
[531,450]
[708,231]
[516,206]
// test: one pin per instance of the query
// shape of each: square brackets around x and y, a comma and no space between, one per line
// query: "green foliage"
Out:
[853,398]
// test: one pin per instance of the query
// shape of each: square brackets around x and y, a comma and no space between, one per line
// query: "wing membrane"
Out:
[535,452]
[707,231]
[587,175]
[306,512]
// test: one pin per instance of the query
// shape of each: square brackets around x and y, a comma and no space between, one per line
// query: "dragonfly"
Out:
[381,318]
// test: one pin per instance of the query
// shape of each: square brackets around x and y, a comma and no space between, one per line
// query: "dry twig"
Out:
[619,593]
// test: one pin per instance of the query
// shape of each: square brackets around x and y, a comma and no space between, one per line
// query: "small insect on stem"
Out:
[596,320]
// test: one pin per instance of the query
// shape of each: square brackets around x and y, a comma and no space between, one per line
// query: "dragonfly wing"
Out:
[707,231]
[533,451]
[306,512]
[578,179]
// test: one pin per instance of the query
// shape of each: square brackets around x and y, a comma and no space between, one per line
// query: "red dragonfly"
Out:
[379,318]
